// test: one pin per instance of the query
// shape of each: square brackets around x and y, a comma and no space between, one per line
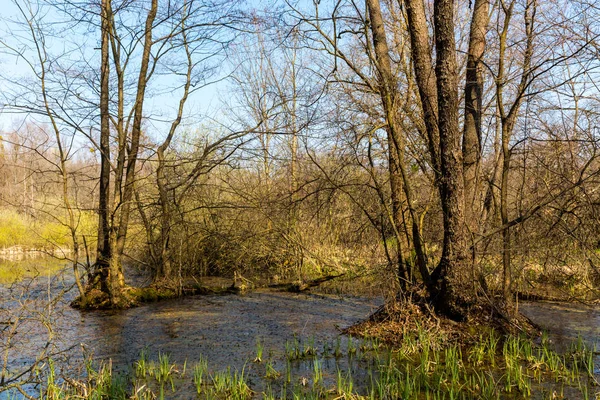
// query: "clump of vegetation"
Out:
[494,366]
[45,232]
[14,229]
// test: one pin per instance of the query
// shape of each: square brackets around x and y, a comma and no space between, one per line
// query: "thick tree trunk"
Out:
[449,289]
[112,224]
[452,293]
[132,153]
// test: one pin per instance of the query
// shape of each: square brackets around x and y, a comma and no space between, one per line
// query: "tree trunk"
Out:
[165,269]
[508,121]
[116,268]
[473,110]
[399,181]
[425,76]
[449,289]
[506,245]
[103,247]
[452,292]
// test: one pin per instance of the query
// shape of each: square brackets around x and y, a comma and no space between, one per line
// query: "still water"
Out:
[222,328]
[36,317]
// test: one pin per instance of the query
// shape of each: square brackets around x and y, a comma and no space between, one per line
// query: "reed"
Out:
[422,368]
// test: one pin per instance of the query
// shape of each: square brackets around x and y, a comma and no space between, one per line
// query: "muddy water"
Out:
[566,322]
[224,329]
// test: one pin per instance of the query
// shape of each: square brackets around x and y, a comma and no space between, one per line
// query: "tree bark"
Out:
[471,144]
[425,76]
[450,291]
[103,247]
[113,223]
[120,232]
[452,295]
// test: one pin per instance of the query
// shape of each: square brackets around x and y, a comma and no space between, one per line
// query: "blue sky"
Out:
[205,101]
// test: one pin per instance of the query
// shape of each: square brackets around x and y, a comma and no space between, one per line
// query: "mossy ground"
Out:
[129,296]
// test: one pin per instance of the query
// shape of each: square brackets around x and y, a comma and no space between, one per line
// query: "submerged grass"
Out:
[494,367]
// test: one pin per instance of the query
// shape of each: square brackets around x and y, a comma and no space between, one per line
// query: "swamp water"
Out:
[224,330]
[296,335]
[566,322]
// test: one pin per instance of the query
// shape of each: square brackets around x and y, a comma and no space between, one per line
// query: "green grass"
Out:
[259,351]
[493,368]
[200,371]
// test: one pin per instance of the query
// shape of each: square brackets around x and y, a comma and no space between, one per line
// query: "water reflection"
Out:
[222,328]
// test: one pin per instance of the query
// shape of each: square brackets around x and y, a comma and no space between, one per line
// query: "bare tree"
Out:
[39,67]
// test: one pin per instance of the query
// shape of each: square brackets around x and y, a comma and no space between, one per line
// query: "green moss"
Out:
[151,294]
